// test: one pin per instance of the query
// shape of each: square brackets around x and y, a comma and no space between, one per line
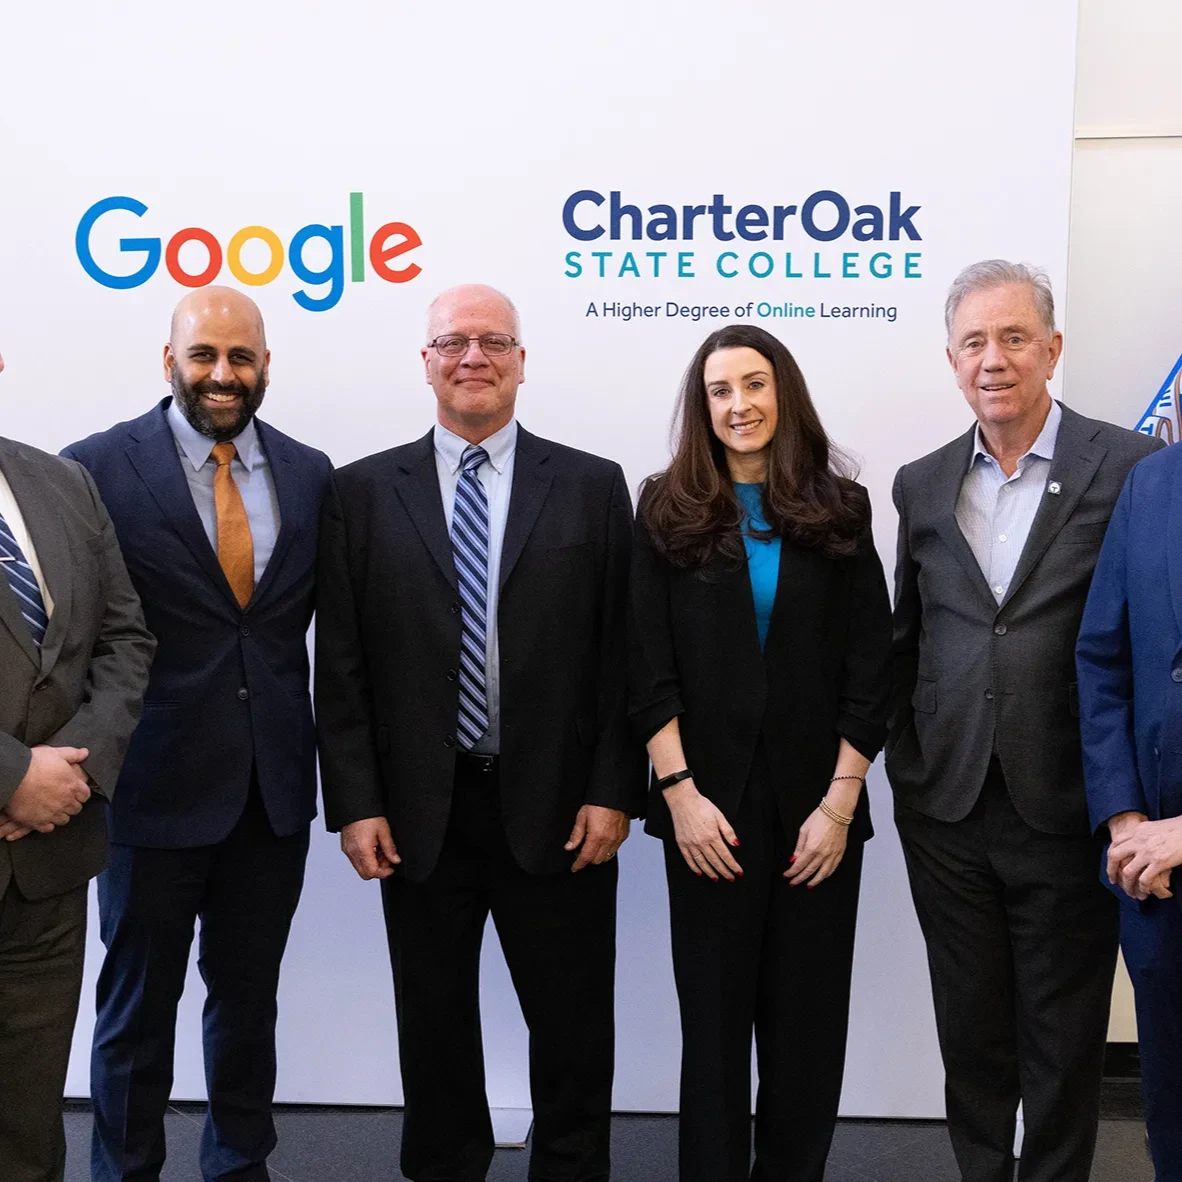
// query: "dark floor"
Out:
[361,1145]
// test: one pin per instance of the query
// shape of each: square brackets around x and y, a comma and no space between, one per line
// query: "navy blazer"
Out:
[1129,655]
[229,686]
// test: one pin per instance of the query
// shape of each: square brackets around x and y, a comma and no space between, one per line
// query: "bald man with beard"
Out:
[217,516]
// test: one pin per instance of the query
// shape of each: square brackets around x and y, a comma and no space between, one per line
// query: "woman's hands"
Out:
[703,834]
[1142,855]
[820,848]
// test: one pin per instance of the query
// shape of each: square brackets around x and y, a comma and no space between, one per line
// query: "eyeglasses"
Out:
[492,344]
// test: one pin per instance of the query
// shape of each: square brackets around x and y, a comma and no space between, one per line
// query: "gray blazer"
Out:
[972,678]
[83,688]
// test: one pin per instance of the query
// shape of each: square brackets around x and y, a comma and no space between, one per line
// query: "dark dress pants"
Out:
[244,890]
[558,936]
[1151,937]
[1021,940]
[41,949]
[761,955]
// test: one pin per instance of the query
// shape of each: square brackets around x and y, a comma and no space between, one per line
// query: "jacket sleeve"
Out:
[908,619]
[654,684]
[120,662]
[1104,667]
[618,769]
[344,716]
[863,703]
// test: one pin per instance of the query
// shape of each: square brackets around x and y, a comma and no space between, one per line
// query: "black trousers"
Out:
[558,935]
[41,949]
[244,890]
[1021,941]
[760,955]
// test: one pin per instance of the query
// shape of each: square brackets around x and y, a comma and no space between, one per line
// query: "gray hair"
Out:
[996,273]
[473,289]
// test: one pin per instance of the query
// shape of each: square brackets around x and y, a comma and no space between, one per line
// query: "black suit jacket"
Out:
[822,675]
[971,677]
[388,646]
[84,687]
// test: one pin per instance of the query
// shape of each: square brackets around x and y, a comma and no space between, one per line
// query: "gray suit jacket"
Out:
[972,678]
[83,688]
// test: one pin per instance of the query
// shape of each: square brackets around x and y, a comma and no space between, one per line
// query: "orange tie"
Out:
[235,547]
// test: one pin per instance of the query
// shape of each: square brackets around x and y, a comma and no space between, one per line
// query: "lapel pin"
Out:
[1054,488]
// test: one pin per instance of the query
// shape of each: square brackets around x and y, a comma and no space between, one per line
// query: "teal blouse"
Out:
[763,556]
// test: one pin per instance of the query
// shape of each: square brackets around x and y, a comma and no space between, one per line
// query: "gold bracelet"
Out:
[833,814]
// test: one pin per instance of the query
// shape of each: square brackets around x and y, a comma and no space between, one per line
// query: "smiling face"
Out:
[1003,355]
[217,361]
[741,399]
[476,393]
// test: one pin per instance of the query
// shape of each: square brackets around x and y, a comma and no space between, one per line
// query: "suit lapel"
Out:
[532,477]
[945,493]
[1073,468]
[419,490]
[291,503]
[154,456]
[18,477]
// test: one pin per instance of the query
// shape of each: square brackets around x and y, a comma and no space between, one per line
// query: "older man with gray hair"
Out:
[999,532]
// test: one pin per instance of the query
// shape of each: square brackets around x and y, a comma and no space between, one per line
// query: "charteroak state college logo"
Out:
[1162,418]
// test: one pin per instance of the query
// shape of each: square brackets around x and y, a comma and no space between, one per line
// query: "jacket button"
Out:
[243,694]
[41,685]
[999,630]
[455,609]
[244,630]
[452,675]
[989,695]
[449,741]
[1177,675]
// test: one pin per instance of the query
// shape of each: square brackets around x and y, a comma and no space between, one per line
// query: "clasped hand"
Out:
[53,790]
[1143,853]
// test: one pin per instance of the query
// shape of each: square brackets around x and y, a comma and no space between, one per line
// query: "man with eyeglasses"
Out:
[475,753]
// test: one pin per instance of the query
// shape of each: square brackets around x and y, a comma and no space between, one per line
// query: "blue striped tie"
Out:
[23,583]
[469,540]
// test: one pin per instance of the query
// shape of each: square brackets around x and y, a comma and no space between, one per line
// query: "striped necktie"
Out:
[469,540]
[24,584]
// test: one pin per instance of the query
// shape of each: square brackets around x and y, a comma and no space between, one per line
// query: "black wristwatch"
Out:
[675,778]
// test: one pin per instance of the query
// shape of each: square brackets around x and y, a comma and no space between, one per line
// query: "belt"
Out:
[473,761]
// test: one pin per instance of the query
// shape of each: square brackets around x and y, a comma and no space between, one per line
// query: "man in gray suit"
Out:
[999,532]
[74,659]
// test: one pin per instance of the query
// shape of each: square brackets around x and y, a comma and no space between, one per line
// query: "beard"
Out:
[219,425]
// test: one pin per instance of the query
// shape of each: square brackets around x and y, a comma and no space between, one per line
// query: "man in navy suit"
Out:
[217,516]
[1129,662]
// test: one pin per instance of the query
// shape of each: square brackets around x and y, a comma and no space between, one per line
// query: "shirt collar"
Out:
[197,447]
[500,446]
[1043,447]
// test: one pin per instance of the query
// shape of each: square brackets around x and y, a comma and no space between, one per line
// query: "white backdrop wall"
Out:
[473,126]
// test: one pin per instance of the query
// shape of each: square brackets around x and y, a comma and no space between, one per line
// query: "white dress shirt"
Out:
[995,511]
[11,512]
[497,477]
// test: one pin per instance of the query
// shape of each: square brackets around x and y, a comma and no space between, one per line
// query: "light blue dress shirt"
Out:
[763,557]
[251,473]
[995,512]
[496,474]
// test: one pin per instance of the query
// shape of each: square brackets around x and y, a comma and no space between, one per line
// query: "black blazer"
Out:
[972,677]
[388,644]
[83,687]
[822,676]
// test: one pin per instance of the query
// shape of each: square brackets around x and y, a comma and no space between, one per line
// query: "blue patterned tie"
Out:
[23,583]
[469,540]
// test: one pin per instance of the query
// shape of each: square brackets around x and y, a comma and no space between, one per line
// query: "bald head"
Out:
[213,304]
[471,300]
[217,360]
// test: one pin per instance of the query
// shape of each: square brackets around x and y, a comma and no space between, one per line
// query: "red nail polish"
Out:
[739,873]
[793,858]
[811,885]
[735,843]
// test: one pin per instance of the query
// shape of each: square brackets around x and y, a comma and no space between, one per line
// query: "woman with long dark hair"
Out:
[760,633]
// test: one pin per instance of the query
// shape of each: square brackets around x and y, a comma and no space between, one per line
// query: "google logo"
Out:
[387,243]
